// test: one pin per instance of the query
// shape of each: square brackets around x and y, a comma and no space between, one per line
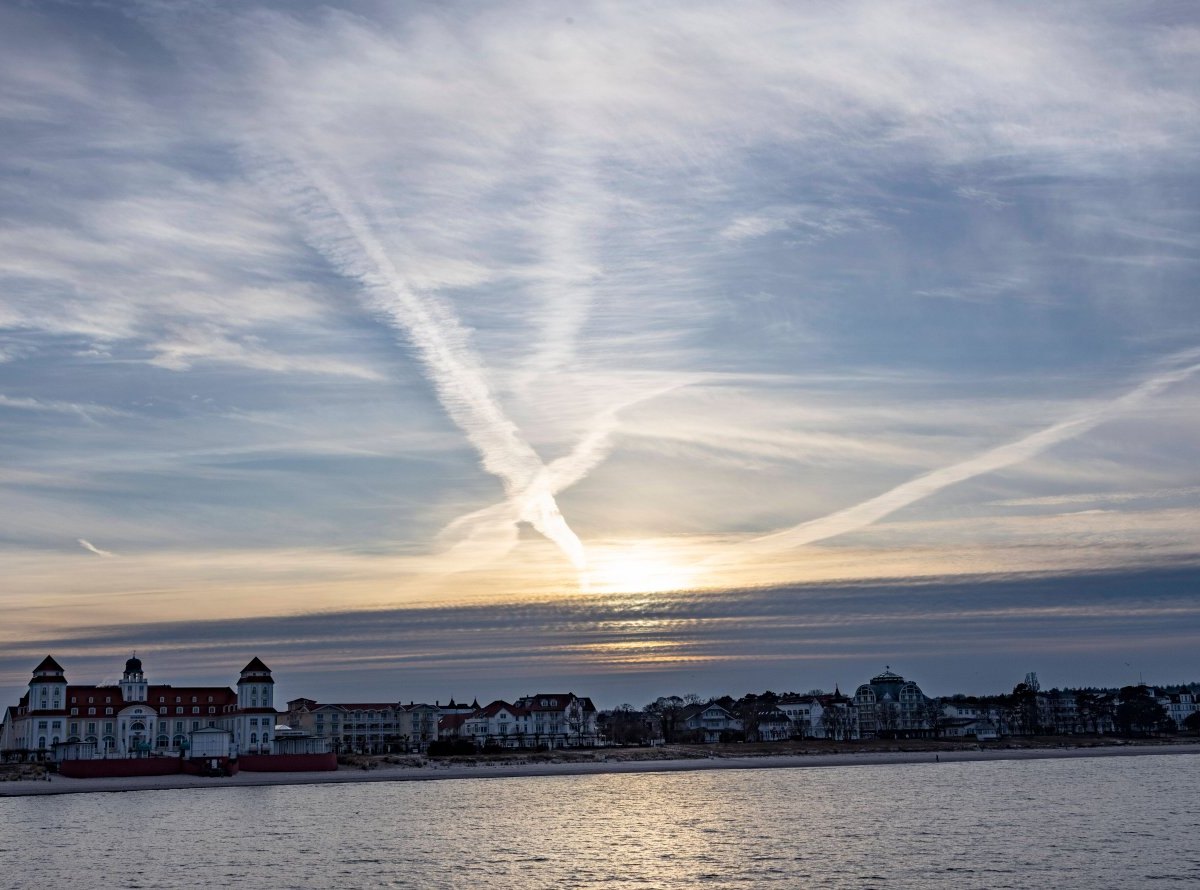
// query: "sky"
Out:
[431,350]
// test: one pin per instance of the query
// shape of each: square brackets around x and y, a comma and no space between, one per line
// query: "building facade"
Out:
[891,706]
[136,717]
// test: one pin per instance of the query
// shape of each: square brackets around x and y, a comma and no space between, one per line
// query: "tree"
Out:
[625,726]
[932,716]
[667,710]
[747,710]
[887,717]
[1138,712]
[1192,722]
[1024,706]
[835,720]
[1087,710]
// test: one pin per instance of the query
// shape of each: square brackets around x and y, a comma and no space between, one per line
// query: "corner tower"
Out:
[48,688]
[256,688]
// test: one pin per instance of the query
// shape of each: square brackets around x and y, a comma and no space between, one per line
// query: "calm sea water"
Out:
[1096,823]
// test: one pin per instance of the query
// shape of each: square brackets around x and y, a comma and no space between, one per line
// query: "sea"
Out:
[1091,822]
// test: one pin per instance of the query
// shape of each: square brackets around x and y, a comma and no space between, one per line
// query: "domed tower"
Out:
[48,686]
[133,681]
[256,688]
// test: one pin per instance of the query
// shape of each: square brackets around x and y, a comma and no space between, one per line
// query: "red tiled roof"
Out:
[453,721]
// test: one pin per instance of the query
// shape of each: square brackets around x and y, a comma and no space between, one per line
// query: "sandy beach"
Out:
[435,771]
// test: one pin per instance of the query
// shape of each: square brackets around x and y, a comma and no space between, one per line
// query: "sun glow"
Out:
[640,570]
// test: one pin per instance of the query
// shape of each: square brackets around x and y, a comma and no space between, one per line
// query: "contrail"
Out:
[490,533]
[444,349]
[92,548]
[871,511]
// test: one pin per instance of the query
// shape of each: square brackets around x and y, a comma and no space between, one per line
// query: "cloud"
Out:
[952,635]
[554,217]
[341,230]
[871,511]
[92,548]
[86,412]
[186,345]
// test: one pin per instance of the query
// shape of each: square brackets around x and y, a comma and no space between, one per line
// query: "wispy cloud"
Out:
[92,548]
[871,511]
[677,275]
[341,230]
[84,411]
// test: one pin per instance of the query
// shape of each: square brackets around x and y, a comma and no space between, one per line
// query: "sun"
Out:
[639,570]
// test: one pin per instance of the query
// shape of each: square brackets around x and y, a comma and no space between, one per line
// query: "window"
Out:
[195,710]
[161,699]
[179,726]
[74,711]
[210,698]
[91,699]
[178,710]
[108,699]
[193,699]
[178,699]
[91,711]
[162,710]
[72,699]
[108,712]
[195,724]
[211,709]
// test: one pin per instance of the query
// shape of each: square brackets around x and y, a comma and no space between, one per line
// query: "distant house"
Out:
[822,716]
[890,706]
[708,722]
[1179,705]
[771,724]
[563,719]
[419,722]
[552,720]
[353,727]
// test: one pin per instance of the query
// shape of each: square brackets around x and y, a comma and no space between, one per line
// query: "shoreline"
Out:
[435,771]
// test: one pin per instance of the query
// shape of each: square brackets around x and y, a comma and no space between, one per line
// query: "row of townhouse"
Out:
[1069,711]
[887,705]
[890,706]
[373,727]
[1031,710]
[553,720]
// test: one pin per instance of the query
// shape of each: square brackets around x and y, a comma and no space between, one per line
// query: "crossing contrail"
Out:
[344,235]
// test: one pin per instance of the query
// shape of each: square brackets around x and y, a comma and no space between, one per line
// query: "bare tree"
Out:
[887,717]
[625,725]
[667,710]
[932,716]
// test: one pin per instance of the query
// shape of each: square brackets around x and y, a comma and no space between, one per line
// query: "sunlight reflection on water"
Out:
[1094,822]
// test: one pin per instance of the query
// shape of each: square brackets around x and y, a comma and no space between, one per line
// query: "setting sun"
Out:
[639,570]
